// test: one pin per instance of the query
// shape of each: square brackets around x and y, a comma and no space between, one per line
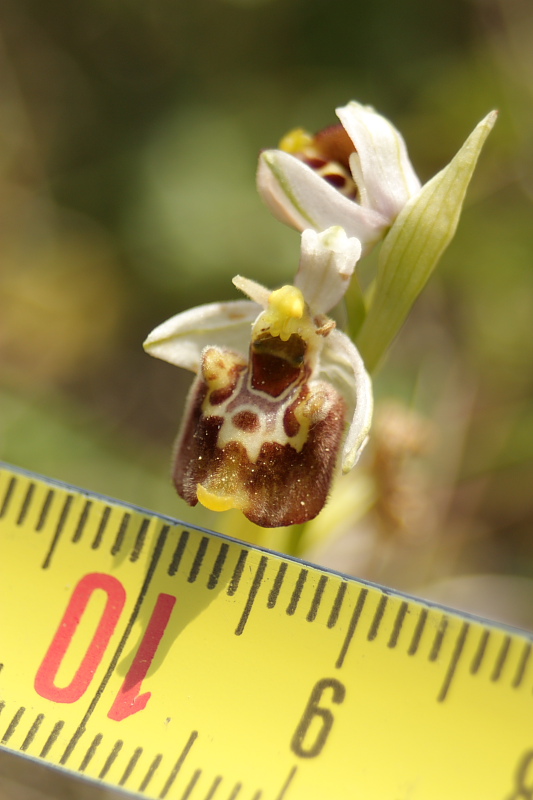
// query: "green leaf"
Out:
[355,306]
[414,244]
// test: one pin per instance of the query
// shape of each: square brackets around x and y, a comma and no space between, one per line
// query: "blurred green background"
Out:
[129,135]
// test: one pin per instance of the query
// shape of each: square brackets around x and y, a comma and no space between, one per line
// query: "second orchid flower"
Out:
[356,174]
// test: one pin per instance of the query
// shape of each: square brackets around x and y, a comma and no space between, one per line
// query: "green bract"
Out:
[420,234]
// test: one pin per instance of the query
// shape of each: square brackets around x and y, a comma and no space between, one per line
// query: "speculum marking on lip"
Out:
[247,421]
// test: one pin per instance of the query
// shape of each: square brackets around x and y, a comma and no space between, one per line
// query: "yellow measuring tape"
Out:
[177,663]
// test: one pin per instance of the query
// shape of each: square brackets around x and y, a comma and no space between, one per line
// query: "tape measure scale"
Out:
[177,663]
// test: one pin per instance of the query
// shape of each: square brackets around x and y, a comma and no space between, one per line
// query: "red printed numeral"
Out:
[129,700]
[46,675]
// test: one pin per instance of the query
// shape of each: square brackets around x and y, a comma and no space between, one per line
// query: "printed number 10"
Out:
[128,700]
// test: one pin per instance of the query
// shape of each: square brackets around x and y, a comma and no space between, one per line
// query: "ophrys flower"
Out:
[279,391]
[357,175]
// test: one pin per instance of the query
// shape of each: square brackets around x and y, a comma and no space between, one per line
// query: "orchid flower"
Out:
[356,175]
[279,391]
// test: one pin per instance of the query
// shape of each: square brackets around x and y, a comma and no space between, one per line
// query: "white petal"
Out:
[299,197]
[343,367]
[181,339]
[254,290]
[327,262]
[388,175]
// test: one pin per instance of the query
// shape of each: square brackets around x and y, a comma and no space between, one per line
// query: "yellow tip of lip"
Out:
[215,502]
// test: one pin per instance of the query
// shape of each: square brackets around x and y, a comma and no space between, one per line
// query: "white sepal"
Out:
[181,339]
[301,198]
[381,164]
[340,363]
